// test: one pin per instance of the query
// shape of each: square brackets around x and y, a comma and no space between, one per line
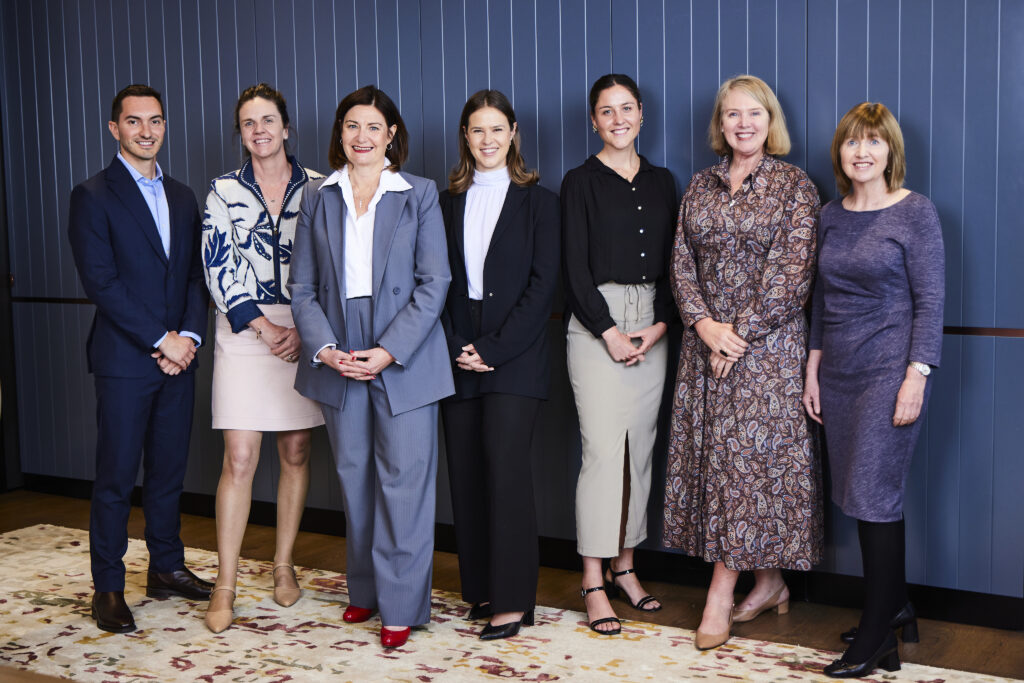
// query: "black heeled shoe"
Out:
[887,656]
[584,592]
[614,591]
[905,621]
[507,630]
[480,611]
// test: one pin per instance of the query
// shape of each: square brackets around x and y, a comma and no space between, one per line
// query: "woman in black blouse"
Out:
[618,213]
[503,247]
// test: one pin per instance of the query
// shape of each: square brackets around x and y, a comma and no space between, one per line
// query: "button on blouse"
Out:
[619,231]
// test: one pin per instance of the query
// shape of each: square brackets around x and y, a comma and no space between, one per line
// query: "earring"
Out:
[388,147]
[593,127]
[641,122]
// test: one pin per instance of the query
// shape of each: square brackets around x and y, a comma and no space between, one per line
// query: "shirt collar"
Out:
[138,177]
[596,164]
[247,175]
[390,181]
[765,165]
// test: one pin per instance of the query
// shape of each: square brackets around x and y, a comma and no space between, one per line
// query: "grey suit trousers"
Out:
[387,466]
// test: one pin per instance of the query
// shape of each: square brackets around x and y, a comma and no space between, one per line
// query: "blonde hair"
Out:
[777,141]
[870,118]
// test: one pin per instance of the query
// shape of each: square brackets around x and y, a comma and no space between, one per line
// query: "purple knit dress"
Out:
[877,306]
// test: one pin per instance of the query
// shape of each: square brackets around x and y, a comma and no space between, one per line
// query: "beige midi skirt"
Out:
[254,389]
[615,402]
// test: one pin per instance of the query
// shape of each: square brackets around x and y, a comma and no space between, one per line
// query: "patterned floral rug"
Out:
[45,627]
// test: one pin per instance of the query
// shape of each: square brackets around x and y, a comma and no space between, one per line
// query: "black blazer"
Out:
[520,276]
[140,293]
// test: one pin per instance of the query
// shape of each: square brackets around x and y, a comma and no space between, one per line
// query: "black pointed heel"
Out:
[904,621]
[507,630]
[909,632]
[480,611]
[887,657]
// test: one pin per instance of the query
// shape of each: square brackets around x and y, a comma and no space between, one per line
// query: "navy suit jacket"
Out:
[520,277]
[140,293]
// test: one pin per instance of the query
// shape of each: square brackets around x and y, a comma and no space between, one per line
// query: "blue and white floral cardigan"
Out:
[245,253]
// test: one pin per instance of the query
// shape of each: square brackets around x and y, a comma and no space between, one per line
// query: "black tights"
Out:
[883,551]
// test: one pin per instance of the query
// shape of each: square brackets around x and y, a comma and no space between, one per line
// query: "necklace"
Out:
[273,192]
[360,195]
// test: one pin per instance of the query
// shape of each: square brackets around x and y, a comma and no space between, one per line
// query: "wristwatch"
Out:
[923,368]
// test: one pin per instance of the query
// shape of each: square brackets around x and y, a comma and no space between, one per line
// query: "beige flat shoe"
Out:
[218,620]
[773,602]
[284,595]
[709,641]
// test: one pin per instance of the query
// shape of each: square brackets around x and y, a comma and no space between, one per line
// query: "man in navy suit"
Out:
[135,234]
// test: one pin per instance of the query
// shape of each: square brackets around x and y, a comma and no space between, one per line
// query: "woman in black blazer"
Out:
[503,246]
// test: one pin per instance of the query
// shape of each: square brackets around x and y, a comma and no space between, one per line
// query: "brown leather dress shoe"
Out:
[111,612]
[181,583]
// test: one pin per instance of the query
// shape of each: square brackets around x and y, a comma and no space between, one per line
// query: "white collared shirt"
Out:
[359,231]
[484,200]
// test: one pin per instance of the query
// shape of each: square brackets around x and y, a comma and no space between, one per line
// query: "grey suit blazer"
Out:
[410,282]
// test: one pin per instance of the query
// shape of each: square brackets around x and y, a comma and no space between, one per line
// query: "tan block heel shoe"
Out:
[286,596]
[774,602]
[218,620]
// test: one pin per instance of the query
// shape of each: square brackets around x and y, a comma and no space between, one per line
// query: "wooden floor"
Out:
[954,646]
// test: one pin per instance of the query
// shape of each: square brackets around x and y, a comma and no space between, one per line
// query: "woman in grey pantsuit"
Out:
[876,333]
[368,282]
[618,212]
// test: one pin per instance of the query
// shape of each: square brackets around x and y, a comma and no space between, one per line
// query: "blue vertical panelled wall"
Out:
[949,69]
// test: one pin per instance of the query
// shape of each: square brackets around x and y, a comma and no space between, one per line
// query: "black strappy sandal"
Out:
[615,592]
[597,622]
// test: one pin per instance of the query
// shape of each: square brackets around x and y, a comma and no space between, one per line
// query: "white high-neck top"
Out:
[484,200]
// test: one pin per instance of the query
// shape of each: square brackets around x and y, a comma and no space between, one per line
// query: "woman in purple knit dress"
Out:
[876,333]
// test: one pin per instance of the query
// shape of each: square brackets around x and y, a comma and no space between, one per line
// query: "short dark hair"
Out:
[371,96]
[264,91]
[133,90]
[610,81]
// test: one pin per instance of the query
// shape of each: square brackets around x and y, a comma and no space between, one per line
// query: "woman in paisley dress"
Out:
[876,334]
[248,228]
[743,484]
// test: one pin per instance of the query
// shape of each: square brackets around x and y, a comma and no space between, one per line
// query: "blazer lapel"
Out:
[459,228]
[333,208]
[124,187]
[513,200]
[385,223]
[179,228]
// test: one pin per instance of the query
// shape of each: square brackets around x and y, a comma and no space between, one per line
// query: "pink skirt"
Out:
[254,389]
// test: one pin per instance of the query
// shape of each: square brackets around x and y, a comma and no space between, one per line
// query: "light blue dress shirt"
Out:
[156,199]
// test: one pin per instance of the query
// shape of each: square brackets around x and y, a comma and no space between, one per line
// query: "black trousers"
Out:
[488,445]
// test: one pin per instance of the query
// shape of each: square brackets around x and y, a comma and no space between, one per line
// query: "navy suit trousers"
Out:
[144,421]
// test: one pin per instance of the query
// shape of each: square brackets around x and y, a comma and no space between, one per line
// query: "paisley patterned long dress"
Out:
[743,484]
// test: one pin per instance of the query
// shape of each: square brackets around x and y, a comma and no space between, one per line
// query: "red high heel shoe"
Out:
[390,637]
[357,615]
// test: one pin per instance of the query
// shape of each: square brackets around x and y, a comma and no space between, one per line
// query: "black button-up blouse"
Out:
[614,230]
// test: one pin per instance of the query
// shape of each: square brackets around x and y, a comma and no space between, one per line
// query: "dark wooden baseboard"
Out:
[945,604]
